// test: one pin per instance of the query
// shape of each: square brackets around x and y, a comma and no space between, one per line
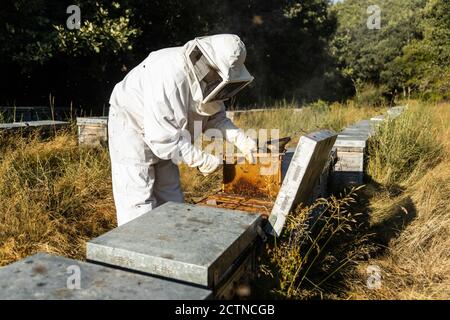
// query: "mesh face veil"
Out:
[216,66]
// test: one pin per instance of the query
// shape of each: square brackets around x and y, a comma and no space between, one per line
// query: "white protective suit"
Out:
[155,104]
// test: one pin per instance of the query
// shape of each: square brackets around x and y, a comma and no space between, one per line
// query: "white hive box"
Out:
[92,131]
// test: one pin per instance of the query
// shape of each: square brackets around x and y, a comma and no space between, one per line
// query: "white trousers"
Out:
[140,180]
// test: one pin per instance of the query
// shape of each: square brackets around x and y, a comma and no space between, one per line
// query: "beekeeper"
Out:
[153,108]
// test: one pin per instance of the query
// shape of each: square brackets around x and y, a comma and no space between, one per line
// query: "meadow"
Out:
[55,195]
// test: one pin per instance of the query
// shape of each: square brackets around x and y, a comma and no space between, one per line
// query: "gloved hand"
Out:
[247,146]
[234,135]
[210,164]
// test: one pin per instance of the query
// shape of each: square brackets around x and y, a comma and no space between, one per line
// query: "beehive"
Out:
[92,131]
[184,242]
[350,147]
[277,181]
[251,187]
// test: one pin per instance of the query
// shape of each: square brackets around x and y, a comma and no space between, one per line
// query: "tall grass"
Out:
[308,255]
[409,208]
[399,222]
[371,95]
[53,196]
[404,148]
[294,121]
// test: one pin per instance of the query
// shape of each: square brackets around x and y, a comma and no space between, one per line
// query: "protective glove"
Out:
[247,146]
[210,164]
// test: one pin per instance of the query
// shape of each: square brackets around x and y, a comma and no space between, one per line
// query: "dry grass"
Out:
[409,209]
[399,222]
[416,262]
[53,196]
[296,122]
[310,253]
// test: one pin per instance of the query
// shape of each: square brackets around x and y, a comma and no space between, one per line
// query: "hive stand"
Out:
[44,125]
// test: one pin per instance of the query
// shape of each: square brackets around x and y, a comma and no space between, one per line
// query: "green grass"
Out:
[405,148]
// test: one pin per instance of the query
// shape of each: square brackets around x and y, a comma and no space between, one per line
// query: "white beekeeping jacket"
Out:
[163,99]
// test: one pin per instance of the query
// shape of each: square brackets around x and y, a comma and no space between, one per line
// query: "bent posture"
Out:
[154,106]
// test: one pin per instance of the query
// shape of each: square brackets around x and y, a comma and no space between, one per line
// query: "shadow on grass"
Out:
[368,237]
[388,223]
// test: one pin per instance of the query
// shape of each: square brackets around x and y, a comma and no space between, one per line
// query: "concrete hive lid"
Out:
[45,277]
[308,161]
[103,120]
[194,244]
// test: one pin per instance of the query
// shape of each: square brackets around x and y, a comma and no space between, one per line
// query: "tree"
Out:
[287,45]
[424,65]
[365,54]
[41,56]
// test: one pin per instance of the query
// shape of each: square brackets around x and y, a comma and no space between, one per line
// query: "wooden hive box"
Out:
[92,131]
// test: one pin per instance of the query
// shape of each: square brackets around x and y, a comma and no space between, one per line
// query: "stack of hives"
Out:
[350,147]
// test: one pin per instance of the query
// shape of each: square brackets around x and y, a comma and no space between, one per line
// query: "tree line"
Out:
[301,50]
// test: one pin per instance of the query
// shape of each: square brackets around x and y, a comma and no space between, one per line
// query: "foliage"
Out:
[286,42]
[424,64]
[302,50]
[368,94]
[364,53]
[410,52]
[102,34]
